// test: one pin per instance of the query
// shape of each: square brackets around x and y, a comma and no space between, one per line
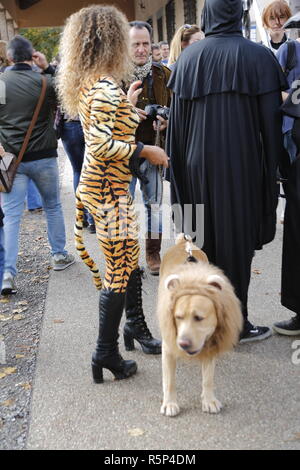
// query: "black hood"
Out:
[222,17]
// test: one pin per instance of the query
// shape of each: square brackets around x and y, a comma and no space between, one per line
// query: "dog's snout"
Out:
[185,343]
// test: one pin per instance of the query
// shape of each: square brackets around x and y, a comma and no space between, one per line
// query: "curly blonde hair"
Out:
[94,42]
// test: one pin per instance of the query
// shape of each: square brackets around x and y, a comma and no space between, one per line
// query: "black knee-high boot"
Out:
[107,354]
[136,327]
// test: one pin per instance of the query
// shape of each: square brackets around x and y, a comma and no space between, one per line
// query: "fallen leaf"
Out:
[19,310]
[26,386]
[136,432]
[8,402]
[19,356]
[256,271]
[18,317]
[58,321]
[22,302]
[7,371]
[4,318]
[4,301]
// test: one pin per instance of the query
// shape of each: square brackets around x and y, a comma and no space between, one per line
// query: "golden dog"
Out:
[199,317]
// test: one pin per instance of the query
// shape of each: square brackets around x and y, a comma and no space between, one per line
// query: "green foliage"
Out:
[45,40]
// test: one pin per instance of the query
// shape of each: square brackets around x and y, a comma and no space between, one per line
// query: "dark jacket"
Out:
[22,90]
[1,217]
[160,94]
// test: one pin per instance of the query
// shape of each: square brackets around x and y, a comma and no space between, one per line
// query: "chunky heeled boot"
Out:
[153,246]
[107,354]
[136,327]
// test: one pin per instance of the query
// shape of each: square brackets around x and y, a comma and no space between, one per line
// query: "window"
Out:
[170,19]
[190,11]
[160,30]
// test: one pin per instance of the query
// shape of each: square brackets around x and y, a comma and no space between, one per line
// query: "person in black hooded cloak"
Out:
[224,140]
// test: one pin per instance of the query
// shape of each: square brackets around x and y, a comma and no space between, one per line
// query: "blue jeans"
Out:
[72,138]
[1,256]
[152,195]
[290,145]
[34,200]
[44,173]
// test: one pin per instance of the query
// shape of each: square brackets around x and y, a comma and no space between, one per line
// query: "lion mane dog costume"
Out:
[199,317]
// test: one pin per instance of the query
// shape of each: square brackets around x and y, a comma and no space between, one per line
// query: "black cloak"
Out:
[224,139]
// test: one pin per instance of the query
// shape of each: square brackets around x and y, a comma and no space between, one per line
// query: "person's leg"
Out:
[34,200]
[45,174]
[1,256]
[290,273]
[121,253]
[72,138]
[73,142]
[13,206]
[152,198]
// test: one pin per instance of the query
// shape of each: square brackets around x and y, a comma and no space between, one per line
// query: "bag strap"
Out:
[33,120]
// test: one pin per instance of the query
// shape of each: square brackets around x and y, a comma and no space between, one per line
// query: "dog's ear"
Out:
[172,282]
[216,281]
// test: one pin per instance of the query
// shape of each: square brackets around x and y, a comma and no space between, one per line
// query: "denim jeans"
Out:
[290,145]
[72,138]
[152,196]
[34,200]
[44,173]
[1,256]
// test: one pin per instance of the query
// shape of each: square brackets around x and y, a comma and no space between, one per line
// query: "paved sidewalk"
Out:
[258,384]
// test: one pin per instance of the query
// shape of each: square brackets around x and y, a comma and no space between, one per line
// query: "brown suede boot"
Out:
[153,245]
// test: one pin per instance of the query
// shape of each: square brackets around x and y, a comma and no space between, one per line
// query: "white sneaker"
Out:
[8,284]
[61,261]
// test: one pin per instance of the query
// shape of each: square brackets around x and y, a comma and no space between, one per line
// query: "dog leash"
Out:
[159,170]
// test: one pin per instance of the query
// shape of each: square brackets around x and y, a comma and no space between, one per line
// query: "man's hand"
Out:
[163,123]
[40,60]
[155,155]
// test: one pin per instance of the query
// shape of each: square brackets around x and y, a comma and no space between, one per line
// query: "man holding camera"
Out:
[154,91]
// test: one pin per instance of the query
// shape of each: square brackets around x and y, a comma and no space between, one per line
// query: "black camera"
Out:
[153,110]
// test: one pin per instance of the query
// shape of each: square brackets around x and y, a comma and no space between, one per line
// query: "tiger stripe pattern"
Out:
[109,123]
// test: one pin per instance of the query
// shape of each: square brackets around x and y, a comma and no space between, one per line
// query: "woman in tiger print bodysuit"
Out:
[94,61]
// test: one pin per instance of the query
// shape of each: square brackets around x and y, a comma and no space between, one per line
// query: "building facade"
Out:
[8,26]
[165,16]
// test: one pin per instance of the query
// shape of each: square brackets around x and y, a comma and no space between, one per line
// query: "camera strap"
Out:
[150,90]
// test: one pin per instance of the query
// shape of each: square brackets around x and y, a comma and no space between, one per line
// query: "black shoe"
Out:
[136,327]
[255,333]
[289,327]
[140,332]
[107,354]
[91,228]
[120,368]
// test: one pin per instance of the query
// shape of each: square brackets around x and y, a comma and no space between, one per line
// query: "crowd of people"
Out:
[204,113]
